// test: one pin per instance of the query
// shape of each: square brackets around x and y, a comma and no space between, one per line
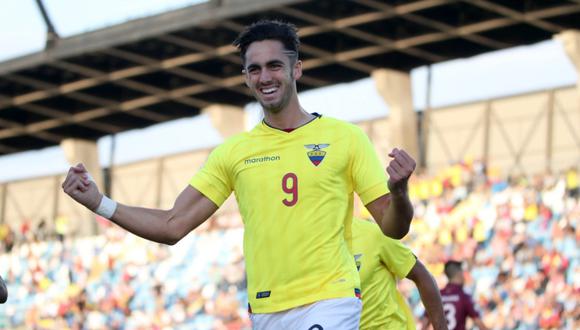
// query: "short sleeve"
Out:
[398,258]
[369,177]
[214,179]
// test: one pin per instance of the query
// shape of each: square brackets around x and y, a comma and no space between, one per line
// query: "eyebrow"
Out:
[272,62]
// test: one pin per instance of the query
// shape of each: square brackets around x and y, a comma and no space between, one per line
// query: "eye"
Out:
[276,66]
[252,70]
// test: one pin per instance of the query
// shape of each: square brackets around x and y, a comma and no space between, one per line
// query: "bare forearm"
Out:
[154,225]
[166,226]
[432,300]
[430,295]
[397,216]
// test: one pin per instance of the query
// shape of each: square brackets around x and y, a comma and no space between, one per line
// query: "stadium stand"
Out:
[518,237]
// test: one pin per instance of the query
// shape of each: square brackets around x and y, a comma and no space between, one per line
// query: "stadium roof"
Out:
[174,64]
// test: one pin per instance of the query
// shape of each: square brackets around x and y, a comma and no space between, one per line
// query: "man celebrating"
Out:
[294,176]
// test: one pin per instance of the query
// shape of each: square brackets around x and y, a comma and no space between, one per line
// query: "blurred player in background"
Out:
[3,291]
[294,176]
[381,261]
[457,304]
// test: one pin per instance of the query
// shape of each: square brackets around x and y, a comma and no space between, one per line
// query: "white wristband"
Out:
[107,207]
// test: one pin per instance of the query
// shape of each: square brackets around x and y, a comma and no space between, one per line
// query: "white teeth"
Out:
[269,90]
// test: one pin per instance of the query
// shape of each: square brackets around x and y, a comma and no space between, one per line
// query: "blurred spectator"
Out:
[518,238]
[3,291]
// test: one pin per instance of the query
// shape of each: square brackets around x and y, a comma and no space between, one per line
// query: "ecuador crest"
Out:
[316,155]
[357,260]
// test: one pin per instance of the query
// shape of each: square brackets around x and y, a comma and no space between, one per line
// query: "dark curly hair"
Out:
[284,32]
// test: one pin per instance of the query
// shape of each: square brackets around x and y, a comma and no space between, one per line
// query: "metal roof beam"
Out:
[228,49]
[116,75]
[516,16]
[126,106]
[53,113]
[55,138]
[437,25]
[58,114]
[199,47]
[329,57]
[190,74]
[375,39]
[135,85]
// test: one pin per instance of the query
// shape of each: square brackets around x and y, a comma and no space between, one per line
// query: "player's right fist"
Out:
[81,188]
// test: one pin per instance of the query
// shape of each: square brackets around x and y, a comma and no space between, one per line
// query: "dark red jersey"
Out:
[457,305]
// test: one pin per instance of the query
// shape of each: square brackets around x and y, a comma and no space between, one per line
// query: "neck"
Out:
[292,116]
[456,282]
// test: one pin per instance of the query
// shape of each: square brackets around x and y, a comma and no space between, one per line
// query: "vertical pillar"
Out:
[57,189]
[486,132]
[228,120]
[86,152]
[395,88]
[570,40]
[550,131]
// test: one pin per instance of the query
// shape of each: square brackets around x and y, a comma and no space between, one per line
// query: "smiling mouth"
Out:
[269,90]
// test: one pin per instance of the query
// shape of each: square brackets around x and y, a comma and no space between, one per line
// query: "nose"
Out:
[265,76]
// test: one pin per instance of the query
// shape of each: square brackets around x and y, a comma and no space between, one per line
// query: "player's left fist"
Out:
[400,169]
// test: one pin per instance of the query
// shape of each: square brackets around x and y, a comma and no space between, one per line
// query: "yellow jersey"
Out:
[381,262]
[295,194]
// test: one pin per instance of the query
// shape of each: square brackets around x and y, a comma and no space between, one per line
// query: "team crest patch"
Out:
[357,261]
[316,155]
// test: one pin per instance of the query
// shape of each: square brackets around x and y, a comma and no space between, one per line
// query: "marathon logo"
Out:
[263,159]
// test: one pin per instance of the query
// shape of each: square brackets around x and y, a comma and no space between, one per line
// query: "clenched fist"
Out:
[400,169]
[83,190]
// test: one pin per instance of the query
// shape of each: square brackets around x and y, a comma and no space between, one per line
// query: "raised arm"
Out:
[394,211]
[430,295]
[3,291]
[190,210]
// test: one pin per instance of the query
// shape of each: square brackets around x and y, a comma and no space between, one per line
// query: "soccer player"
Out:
[293,176]
[3,291]
[381,261]
[457,304]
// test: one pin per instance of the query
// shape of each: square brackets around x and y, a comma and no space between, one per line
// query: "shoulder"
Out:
[365,227]
[339,124]
[465,295]
[369,230]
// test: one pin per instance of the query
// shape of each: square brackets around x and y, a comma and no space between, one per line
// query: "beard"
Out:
[276,107]
[273,108]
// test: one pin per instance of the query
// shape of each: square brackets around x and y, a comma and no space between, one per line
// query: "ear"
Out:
[297,70]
